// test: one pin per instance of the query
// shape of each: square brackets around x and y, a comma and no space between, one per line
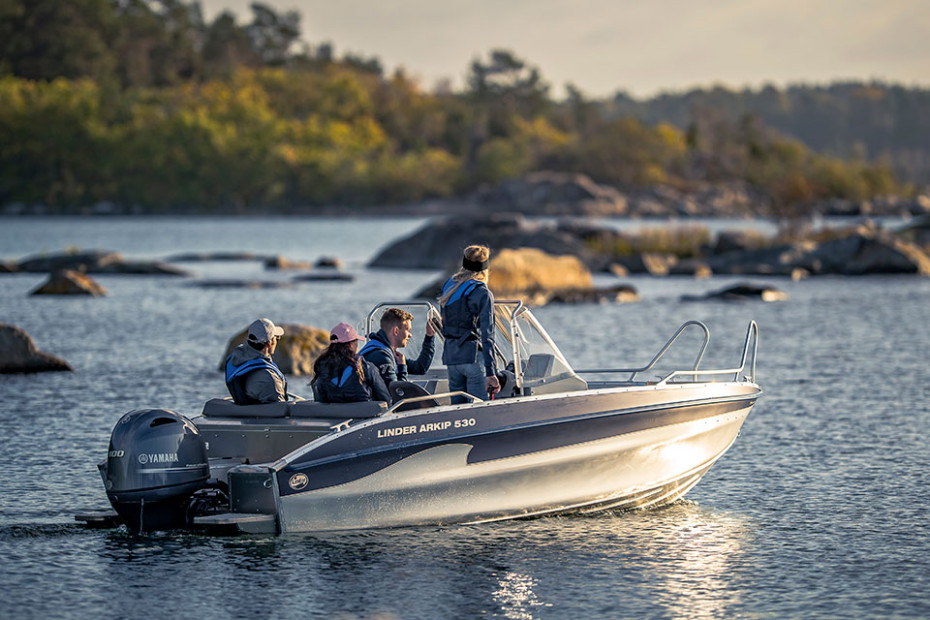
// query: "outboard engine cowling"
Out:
[157,460]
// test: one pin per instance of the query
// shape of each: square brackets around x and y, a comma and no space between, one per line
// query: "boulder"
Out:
[280,262]
[88,261]
[68,282]
[618,270]
[738,240]
[744,291]
[648,206]
[691,267]
[839,207]
[537,278]
[779,260]
[917,232]
[653,263]
[297,349]
[920,205]
[96,261]
[18,354]
[864,253]
[439,244]
[514,273]
[621,294]
[553,193]
[199,257]
[328,262]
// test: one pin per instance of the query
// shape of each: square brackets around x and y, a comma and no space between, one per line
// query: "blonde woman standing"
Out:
[467,307]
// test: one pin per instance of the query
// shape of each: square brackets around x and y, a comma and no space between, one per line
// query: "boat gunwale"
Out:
[286,461]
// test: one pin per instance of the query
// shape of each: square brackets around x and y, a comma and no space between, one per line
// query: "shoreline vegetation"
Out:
[144,108]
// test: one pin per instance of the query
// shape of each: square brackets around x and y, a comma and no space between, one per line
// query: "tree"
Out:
[227,47]
[46,39]
[158,42]
[507,87]
[272,35]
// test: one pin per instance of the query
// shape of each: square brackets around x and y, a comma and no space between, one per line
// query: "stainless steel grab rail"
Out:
[752,338]
[658,356]
[750,346]
[416,399]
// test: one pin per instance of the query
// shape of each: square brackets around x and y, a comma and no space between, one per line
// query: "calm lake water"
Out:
[820,509]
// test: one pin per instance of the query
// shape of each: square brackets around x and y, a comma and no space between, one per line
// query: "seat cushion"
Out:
[338,411]
[226,408]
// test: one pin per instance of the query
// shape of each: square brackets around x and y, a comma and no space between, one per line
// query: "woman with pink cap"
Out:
[341,376]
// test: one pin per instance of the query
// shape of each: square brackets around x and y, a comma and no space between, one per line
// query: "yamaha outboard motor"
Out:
[157,460]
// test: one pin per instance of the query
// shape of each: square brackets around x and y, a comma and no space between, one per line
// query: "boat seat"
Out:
[338,411]
[226,408]
[405,389]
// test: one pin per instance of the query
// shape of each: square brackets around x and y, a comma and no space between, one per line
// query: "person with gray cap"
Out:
[252,377]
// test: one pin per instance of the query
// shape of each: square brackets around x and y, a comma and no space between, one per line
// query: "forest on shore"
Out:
[145,103]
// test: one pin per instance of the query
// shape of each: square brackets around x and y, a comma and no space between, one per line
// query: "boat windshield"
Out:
[541,361]
[540,358]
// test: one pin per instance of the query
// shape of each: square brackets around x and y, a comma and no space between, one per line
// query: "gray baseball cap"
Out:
[263,330]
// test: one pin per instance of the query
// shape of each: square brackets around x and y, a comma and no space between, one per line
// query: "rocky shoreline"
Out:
[547,194]
[861,250]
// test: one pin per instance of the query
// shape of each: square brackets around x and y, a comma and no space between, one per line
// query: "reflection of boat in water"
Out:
[551,443]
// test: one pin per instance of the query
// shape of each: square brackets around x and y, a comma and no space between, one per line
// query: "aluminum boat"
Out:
[554,440]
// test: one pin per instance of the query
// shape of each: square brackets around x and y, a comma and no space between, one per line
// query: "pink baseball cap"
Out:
[343,333]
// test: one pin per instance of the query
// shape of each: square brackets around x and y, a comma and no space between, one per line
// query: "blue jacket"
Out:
[378,351]
[468,325]
[338,382]
[253,378]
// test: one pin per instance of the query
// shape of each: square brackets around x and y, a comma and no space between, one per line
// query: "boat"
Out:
[555,440]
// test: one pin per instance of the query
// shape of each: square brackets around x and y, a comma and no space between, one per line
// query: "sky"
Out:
[642,47]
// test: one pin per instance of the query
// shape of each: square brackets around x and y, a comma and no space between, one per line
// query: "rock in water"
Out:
[530,270]
[90,260]
[538,278]
[68,282]
[280,262]
[328,262]
[744,291]
[297,349]
[439,245]
[96,261]
[18,354]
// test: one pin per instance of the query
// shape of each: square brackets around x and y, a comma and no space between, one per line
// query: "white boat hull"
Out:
[438,485]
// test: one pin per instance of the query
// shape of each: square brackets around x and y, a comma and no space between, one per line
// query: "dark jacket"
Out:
[338,382]
[468,325]
[253,378]
[378,351]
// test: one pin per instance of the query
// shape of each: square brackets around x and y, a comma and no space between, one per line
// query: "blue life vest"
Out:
[235,378]
[460,293]
[373,344]
[341,380]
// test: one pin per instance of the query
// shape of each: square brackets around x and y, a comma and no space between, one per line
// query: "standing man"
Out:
[382,347]
[251,374]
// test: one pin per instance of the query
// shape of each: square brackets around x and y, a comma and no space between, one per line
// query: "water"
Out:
[820,509]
